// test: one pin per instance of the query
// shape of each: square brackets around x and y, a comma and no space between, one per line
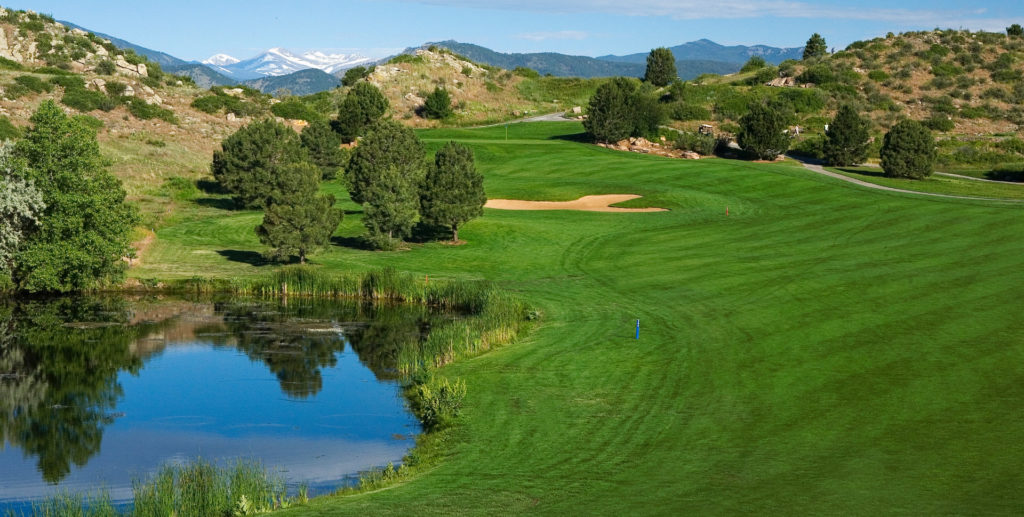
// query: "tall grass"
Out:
[202,488]
[493,317]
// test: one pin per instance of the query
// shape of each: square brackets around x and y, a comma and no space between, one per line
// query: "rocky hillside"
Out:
[968,87]
[481,94]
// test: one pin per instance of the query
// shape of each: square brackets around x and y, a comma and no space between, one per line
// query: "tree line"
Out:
[266,165]
[622,108]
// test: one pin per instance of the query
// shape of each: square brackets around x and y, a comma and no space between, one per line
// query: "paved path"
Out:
[558,116]
[821,170]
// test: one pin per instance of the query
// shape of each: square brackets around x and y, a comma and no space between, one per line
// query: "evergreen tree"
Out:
[661,67]
[1015,31]
[363,105]
[815,47]
[610,117]
[391,206]
[453,192]
[85,227]
[246,166]
[846,141]
[301,220]
[438,104]
[387,144]
[908,151]
[324,148]
[762,132]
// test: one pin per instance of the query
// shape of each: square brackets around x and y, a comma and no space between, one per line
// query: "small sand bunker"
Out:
[585,203]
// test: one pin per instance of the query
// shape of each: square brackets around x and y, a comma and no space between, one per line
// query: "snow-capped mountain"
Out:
[220,60]
[279,61]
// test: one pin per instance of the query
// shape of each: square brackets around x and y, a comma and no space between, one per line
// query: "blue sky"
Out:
[194,29]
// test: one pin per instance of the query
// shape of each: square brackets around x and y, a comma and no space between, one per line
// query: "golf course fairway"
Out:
[822,349]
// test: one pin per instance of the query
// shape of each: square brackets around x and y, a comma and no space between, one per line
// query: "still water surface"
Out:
[97,391]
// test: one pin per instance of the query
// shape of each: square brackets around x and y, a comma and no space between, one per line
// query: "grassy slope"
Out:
[824,348]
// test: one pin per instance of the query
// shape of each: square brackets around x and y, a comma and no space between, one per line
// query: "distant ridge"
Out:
[693,59]
[707,50]
[165,60]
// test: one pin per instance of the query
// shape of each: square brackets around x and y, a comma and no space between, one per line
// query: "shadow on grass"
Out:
[210,186]
[423,232]
[220,203]
[355,243]
[1008,173]
[874,173]
[582,138]
[252,258]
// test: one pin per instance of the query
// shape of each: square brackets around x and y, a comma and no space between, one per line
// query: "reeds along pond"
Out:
[489,316]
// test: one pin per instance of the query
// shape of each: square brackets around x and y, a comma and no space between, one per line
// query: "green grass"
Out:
[937,184]
[823,349]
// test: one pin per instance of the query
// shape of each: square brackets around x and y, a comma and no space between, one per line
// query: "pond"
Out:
[95,392]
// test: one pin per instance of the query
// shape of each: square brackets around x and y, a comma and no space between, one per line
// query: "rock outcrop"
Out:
[644,146]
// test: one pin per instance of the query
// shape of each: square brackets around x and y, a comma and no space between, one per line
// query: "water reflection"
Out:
[63,364]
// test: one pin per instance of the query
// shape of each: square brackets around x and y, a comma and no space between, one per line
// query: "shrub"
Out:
[437,401]
[528,73]
[406,58]
[146,111]
[878,75]
[7,64]
[946,70]
[908,151]
[703,145]
[87,100]
[116,88]
[8,131]
[754,63]
[68,82]
[209,104]
[817,74]
[34,83]
[353,75]
[295,109]
[618,110]
[89,121]
[683,111]
[438,104]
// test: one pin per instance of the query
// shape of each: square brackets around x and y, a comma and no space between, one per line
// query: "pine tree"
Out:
[246,166]
[908,151]
[391,207]
[609,118]
[386,144]
[324,148]
[453,191]
[85,227]
[661,67]
[762,132]
[815,47]
[363,106]
[300,220]
[1015,31]
[438,104]
[846,141]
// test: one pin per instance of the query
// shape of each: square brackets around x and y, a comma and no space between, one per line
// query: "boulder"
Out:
[97,84]
[577,110]
[147,90]
[231,117]
[155,100]
[129,91]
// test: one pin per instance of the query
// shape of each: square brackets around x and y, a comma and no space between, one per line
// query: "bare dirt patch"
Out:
[586,204]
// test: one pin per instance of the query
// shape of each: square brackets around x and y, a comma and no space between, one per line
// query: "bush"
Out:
[618,110]
[703,145]
[939,122]
[528,73]
[946,70]
[34,83]
[209,104]
[817,74]
[295,109]
[683,111]
[8,131]
[146,111]
[754,63]
[68,82]
[908,151]
[87,100]
[438,104]
[353,75]
[116,88]
[436,401]
[406,58]
[7,64]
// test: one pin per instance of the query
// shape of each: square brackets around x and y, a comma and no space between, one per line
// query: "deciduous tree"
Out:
[86,224]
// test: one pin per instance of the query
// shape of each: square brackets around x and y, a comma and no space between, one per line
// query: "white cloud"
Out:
[733,9]
[542,36]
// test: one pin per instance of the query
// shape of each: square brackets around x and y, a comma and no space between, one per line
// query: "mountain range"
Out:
[278,69]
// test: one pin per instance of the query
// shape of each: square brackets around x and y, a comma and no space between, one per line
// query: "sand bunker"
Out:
[585,203]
